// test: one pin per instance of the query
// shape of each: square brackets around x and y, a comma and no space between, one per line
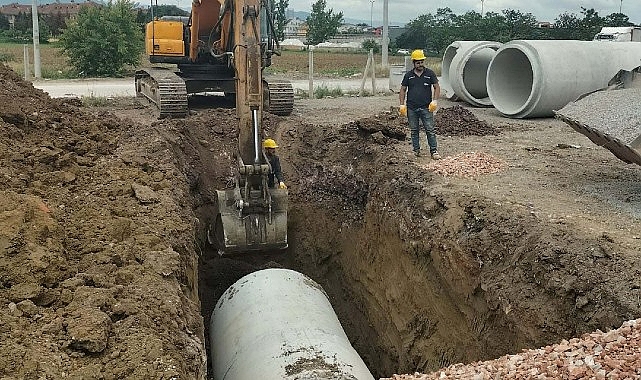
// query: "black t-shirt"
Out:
[419,88]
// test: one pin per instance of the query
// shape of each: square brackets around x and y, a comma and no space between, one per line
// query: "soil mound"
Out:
[459,121]
[91,281]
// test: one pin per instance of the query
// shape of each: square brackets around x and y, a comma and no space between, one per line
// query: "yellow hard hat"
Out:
[417,55]
[269,143]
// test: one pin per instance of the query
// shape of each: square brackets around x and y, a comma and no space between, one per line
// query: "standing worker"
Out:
[275,173]
[421,102]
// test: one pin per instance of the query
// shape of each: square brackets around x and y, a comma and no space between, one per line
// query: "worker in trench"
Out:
[276,173]
[422,89]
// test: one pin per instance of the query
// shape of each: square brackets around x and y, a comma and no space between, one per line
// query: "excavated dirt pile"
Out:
[523,236]
[96,273]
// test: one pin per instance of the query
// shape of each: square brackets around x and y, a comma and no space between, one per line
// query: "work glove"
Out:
[282,186]
[432,106]
[402,110]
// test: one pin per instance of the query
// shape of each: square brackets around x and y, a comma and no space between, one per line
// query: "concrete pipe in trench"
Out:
[279,324]
[464,71]
[533,78]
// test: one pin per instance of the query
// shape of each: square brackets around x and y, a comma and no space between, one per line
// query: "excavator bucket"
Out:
[236,230]
[610,117]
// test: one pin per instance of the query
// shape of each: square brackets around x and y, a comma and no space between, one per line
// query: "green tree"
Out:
[567,26]
[590,24]
[371,44]
[322,24]
[56,22]
[279,13]
[4,22]
[519,25]
[617,19]
[102,41]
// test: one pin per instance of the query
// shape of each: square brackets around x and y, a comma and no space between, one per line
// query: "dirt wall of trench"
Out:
[441,274]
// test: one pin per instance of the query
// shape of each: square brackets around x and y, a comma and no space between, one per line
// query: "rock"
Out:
[24,291]
[379,138]
[88,329]
[144,194]
[27,307]
[13,310]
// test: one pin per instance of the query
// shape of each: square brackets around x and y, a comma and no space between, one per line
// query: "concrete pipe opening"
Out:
[536,77]
[464,72]
[446,86]
[510,80]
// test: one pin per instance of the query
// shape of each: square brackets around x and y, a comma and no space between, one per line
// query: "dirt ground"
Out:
[105,273]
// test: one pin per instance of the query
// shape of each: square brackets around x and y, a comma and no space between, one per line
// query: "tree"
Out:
[590,24]
[567,26]
[617,19]
[322,24]
[101,41]
[279,14]
[519,25]
[56,22]
[4,23]
[371,44]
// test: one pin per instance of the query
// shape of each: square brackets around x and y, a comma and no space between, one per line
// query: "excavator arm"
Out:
[252,216]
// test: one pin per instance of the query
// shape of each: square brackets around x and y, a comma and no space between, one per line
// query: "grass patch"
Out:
[96,101]
[325,92]
[53,64]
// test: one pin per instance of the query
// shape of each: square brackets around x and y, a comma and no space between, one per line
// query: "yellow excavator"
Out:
[224,46]
[203,46]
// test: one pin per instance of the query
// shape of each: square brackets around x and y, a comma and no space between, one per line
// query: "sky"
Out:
[406,10]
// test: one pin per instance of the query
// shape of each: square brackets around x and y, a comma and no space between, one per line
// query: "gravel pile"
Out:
[469,164]
[600,355]
[611,119]
[616,113]
[459,121]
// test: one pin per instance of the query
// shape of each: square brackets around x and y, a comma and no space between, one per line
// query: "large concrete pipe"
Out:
[279,324]
[535,77]
[464,70]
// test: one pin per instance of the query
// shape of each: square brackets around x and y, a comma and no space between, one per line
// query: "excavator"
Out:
[224,46]
[203,47]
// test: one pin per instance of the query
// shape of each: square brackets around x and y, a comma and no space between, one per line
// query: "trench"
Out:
[420,276]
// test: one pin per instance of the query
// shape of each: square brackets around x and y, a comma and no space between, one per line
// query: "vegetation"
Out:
[325,92]
[102,41]
[434,32]
[371,44]
[322,24]
[279,14]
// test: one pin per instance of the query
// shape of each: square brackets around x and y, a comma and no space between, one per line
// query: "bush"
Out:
[371,44]
[101,41]
[324,92]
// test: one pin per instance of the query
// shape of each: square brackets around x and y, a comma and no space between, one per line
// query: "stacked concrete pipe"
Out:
[464,71]
[279,324]
[535,77]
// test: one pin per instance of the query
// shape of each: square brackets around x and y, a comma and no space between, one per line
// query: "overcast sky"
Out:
[406,10]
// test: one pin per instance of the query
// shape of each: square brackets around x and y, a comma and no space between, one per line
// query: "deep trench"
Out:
[321,246]
[473,288]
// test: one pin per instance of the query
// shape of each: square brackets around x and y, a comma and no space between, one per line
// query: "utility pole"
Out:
[483,4]
[620,6]
[371,15]
[385,42]
[36,40]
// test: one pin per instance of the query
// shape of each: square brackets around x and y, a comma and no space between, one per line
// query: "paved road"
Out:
[125,86]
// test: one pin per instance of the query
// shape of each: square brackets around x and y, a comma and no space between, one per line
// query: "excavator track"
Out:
[165,89]
[281,98]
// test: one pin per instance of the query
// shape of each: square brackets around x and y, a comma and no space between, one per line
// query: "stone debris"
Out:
[610,119]
[469,164]
[599,355]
